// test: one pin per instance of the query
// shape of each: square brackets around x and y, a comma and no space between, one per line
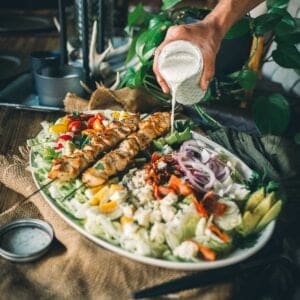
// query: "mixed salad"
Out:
[179,199]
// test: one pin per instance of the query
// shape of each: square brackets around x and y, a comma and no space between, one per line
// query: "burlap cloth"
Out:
[74,268]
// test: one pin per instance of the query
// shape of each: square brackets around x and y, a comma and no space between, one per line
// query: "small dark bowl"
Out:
[53,84]
[41,59]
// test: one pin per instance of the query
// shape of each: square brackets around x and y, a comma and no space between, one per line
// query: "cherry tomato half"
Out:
[76,126]
[65,137]
[91,122]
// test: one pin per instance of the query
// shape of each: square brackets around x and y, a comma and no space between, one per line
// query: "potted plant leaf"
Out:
[236,73]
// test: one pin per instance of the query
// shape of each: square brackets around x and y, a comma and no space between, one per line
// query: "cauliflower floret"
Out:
[167,209]
[142,216]
[137,245]
[129,229]
[156,215]
[186,250]
[231,217]
[169,200]
[157,233]
[167,212]
[127,209]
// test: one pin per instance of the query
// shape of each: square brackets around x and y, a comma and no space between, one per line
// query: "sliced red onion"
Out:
[201,167]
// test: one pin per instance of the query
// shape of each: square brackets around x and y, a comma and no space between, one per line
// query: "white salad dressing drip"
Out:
[181,64]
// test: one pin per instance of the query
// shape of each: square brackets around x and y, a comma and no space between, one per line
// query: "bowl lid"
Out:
[25,240]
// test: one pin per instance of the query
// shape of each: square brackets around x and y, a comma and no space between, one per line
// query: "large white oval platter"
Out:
[235,257]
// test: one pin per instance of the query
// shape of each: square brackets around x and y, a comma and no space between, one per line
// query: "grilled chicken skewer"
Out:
[117,160]
[69,167]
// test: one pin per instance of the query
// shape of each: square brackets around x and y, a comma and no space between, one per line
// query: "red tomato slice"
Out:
[76,126]
[91,122]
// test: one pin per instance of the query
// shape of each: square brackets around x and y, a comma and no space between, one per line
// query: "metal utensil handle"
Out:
[63,32]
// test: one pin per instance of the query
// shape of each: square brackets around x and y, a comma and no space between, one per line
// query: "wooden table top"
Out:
[16,126]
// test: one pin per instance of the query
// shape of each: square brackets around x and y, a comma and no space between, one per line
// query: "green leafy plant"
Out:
[270,112]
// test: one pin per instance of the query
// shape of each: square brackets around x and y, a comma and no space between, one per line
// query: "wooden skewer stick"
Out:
[40,189]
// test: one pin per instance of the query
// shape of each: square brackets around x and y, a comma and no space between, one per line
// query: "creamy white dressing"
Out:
[24,241]
[173,110]
[181,64]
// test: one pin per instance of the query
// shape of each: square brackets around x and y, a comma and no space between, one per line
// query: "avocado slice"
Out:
[263,207]
[255,199]
[270,215]
[249,223]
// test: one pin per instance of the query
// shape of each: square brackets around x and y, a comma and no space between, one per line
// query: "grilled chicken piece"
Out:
[131,147]
[142,140]
[117,160]
[69,167]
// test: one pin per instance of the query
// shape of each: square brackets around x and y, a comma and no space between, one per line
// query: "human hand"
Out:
[206,36]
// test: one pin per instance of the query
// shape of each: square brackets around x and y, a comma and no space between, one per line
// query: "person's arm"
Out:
[207,35]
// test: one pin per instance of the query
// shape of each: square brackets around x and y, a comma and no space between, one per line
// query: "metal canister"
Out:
[25,240]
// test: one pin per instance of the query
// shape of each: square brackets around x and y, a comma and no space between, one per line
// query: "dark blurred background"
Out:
[30,4]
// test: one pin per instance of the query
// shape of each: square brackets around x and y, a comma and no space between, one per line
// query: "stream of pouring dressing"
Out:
[181,63]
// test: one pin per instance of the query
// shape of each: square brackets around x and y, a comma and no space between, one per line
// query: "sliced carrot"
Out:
[211,204]
[207,253]
[179,186]
[156,192]
[163,190]
[223,236]
[199,207]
